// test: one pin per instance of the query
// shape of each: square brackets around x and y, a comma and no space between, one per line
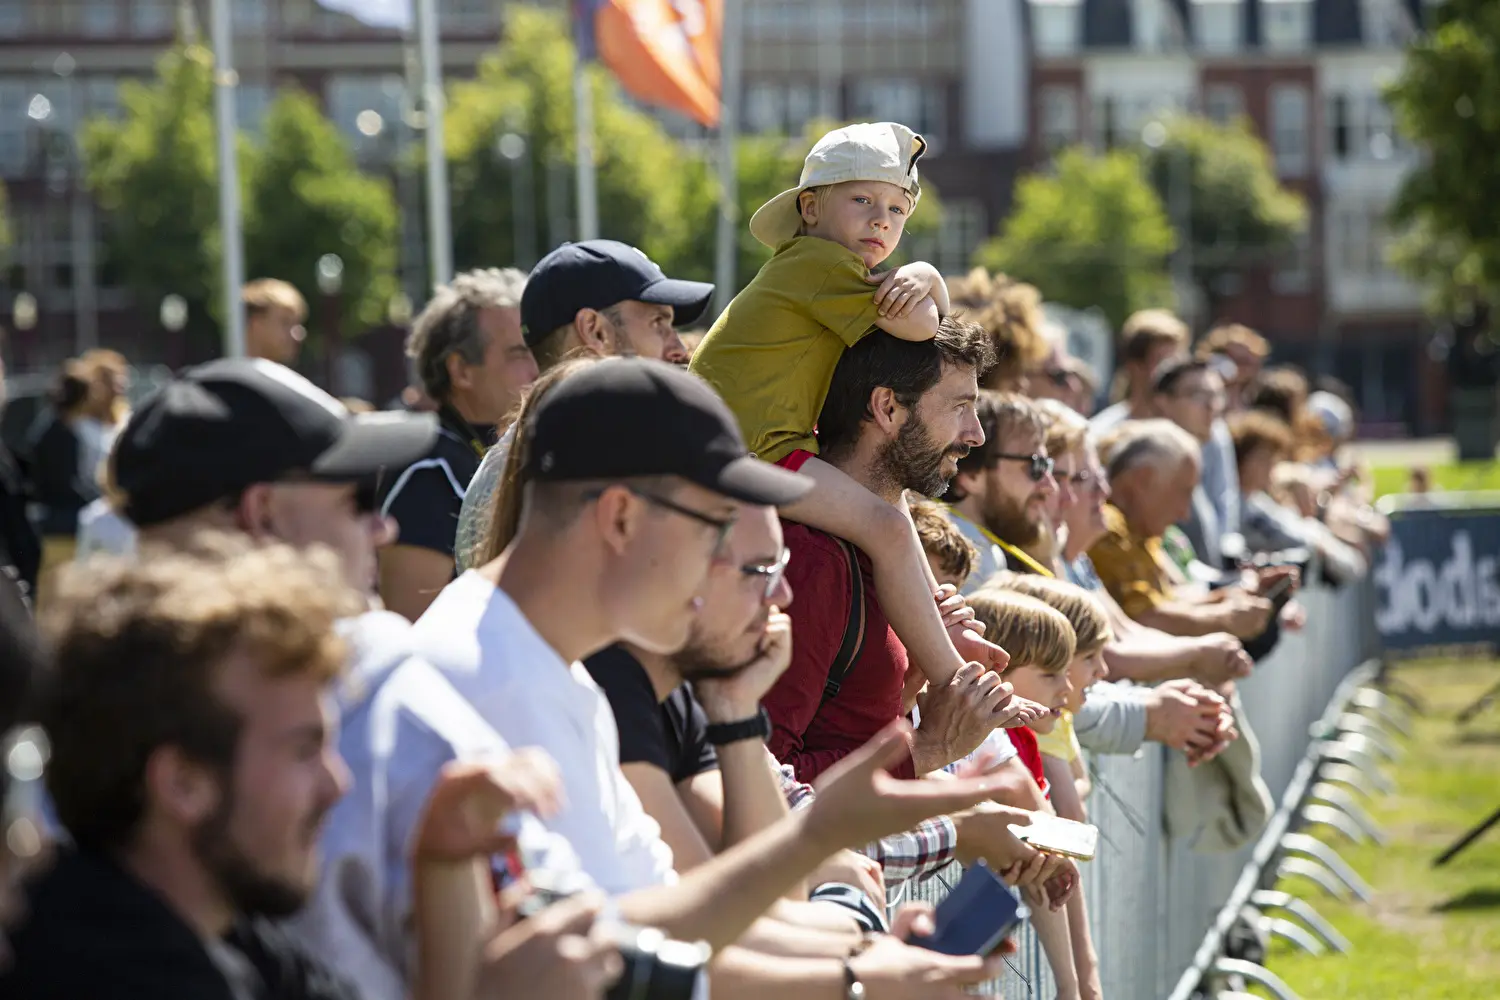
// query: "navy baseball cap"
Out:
[223,426]
[629,417]
[597,274]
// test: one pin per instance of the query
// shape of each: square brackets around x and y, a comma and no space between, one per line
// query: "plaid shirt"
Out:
[916,853]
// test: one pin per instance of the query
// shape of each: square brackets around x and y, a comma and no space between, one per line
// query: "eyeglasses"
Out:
[772,573]
[1081,480]
[721,525]
[1041,465]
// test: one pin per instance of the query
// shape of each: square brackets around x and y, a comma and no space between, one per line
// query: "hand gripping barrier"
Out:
[1165,917]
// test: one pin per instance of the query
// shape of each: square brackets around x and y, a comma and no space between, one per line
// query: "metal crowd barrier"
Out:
[1154,903]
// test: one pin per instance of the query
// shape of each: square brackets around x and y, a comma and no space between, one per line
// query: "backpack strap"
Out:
[854,629]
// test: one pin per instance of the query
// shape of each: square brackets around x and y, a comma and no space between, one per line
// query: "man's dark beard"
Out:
[913,461]
[699,661]
[251,891]
[1007,522]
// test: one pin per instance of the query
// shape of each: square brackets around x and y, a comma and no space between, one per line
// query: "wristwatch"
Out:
[853,988]
[757,727]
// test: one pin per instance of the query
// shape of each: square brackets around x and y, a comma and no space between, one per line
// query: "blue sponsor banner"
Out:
[1438,581]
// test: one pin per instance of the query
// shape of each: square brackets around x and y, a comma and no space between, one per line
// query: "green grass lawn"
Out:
[1455,476]
[1429,933]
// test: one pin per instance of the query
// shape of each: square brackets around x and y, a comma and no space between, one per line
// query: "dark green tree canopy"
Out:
[1090,233]
[1239,215]
[1447,100]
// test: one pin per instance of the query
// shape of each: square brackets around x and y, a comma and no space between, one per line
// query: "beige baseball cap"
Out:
[870,151]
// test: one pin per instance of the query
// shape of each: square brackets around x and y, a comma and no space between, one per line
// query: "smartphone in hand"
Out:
[977,916]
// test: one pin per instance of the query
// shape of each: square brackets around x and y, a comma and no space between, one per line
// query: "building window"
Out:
[1218,24]
[466,15]
[1055,26]
[781,20]
[1362,239]
[12,18]
[248,15]
[1289,114]
[1106,121]
[1285,25]
[1057,116]
[1294,273]
[951,248]
[102,95]
[152,18]
[786,108]
[920,106]
[251,102]
[13,124]
[1223,102]
[1361,127]
[1387,24]
[100,18]
[1338,126]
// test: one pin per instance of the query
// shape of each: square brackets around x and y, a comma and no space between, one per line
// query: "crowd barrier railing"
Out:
[1155,903]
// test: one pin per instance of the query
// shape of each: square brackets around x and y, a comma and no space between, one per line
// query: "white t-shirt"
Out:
[401,722]
[491,654]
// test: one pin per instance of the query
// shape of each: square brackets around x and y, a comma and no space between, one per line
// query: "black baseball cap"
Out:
[597,274]
[627,417]
[220,427]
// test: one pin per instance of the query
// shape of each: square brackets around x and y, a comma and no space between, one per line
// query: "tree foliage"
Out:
[1239,215]
[306,198]
[153,173]
[1091,233]
[1447,99]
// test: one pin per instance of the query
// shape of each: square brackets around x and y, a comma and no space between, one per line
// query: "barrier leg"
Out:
[1355,750]
[1348,776]
[1295,933]
[1385,707]
[1301,843]
[1353,722]
[1259,975]
[1315,872]
[1335,818]
[1270,899]
[1340,798]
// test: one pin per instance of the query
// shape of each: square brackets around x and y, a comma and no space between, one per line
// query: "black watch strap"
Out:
[757,727]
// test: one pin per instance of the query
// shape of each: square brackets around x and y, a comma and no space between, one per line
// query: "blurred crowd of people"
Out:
[629,661]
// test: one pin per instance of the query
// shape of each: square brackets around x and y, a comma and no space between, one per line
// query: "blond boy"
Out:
[772,354]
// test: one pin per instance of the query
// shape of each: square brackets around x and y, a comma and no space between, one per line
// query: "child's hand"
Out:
[902,289]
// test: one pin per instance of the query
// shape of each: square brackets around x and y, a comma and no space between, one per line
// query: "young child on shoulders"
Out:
[772,353]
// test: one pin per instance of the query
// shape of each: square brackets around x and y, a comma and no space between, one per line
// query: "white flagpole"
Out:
[587,178]
[225,81]
[726,247]
[439,220]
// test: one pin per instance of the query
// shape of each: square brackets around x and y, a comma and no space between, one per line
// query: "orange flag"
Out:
[664,52]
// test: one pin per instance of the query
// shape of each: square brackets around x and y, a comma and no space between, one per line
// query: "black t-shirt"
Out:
[93,931]
[671,735]
[426,497]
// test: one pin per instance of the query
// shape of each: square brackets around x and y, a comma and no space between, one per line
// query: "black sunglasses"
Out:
[1041,465]
[721,525]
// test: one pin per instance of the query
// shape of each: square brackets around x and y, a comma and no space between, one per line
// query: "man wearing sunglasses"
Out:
[999,497]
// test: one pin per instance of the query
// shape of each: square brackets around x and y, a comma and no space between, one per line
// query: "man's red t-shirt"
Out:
[806,735]
[1030,752]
